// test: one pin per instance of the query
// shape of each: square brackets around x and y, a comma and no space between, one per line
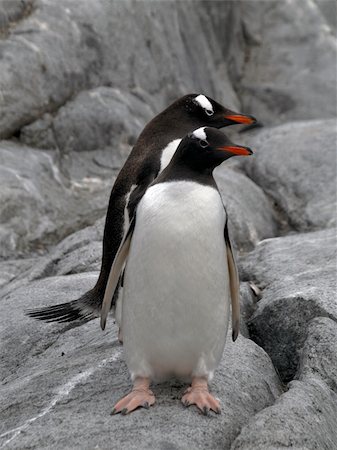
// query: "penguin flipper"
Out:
[115,272]
[234,284]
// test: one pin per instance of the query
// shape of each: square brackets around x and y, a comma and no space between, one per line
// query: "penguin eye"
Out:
[209,112]
[203,144]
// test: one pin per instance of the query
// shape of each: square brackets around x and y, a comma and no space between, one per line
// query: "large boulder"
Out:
[305,415]
[57,50]
[287,72]
[39,206]
[56,375]
[297,275]
[295,164]
[95,119]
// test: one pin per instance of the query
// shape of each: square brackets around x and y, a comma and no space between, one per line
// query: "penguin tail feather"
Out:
[83,310]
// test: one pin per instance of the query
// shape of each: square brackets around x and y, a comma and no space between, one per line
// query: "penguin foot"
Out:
[199,395]
[140,396]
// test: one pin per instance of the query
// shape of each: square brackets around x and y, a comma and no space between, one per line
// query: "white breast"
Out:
[176,297]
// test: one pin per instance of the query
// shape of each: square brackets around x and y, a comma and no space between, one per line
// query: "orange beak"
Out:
[236,150]
[241,118]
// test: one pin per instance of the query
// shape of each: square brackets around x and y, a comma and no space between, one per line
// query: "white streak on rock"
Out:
[62,392]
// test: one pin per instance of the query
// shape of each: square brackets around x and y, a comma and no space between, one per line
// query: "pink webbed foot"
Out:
[199,395]
[140,396]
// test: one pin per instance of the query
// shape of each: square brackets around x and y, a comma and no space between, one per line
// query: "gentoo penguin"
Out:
[179,277]
[150,155]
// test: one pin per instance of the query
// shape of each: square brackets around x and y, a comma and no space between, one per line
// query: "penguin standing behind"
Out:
[150,155]
[180,276]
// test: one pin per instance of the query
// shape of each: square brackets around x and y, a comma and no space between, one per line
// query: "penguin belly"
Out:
[176,288]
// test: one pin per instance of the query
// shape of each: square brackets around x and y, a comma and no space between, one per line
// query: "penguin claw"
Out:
[135,399]
[204,401]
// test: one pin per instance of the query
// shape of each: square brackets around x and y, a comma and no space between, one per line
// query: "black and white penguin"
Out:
[150,155]
[180,276]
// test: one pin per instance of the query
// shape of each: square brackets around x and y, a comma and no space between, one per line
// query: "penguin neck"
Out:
[180,170]
[168,126]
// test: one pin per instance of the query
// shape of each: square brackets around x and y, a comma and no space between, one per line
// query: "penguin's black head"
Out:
[206,148]
[204,110]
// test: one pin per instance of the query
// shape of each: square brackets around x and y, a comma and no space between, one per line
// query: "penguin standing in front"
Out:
[150,155]
[180,276]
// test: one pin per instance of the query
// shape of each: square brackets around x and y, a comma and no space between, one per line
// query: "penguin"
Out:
[150,155]
[180,276]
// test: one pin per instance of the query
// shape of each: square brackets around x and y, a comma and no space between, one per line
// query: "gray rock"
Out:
[153,51]
[295,164]
[77,253]
[329,11]
[38,204]
[94,119]
[11,12]
[298,277]
[286,72]
[305,415]
[57,375]
[319,353]
[12,269]
[302,418]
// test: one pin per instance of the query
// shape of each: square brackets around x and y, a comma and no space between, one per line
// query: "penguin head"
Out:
[204,110]
[206,148]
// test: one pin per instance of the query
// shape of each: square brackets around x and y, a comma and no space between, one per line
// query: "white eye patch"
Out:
[200,134]
[205,104]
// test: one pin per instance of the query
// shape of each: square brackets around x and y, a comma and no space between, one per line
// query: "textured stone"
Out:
[284,74]
[296,165]
[302,418]
[94,119]
[38,204]
[57,375]
[59,49]
[298,277]
[305,416]
[319,353]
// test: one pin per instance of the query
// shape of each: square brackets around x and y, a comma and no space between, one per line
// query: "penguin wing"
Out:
[234,284]
[115,272]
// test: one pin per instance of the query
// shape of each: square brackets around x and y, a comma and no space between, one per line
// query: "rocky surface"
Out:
[295,164]
[77,85]
[82,368]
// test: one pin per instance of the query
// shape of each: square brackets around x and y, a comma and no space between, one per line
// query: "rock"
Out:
[295,164]
[284,73]
[298,277]
[302,418]
[38,205]
[12,11]
[319,353]
[56,375]
[96,47]
[12,269]
[305,415]
[329,11]
[94,119]
[250,213]
[77,253]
